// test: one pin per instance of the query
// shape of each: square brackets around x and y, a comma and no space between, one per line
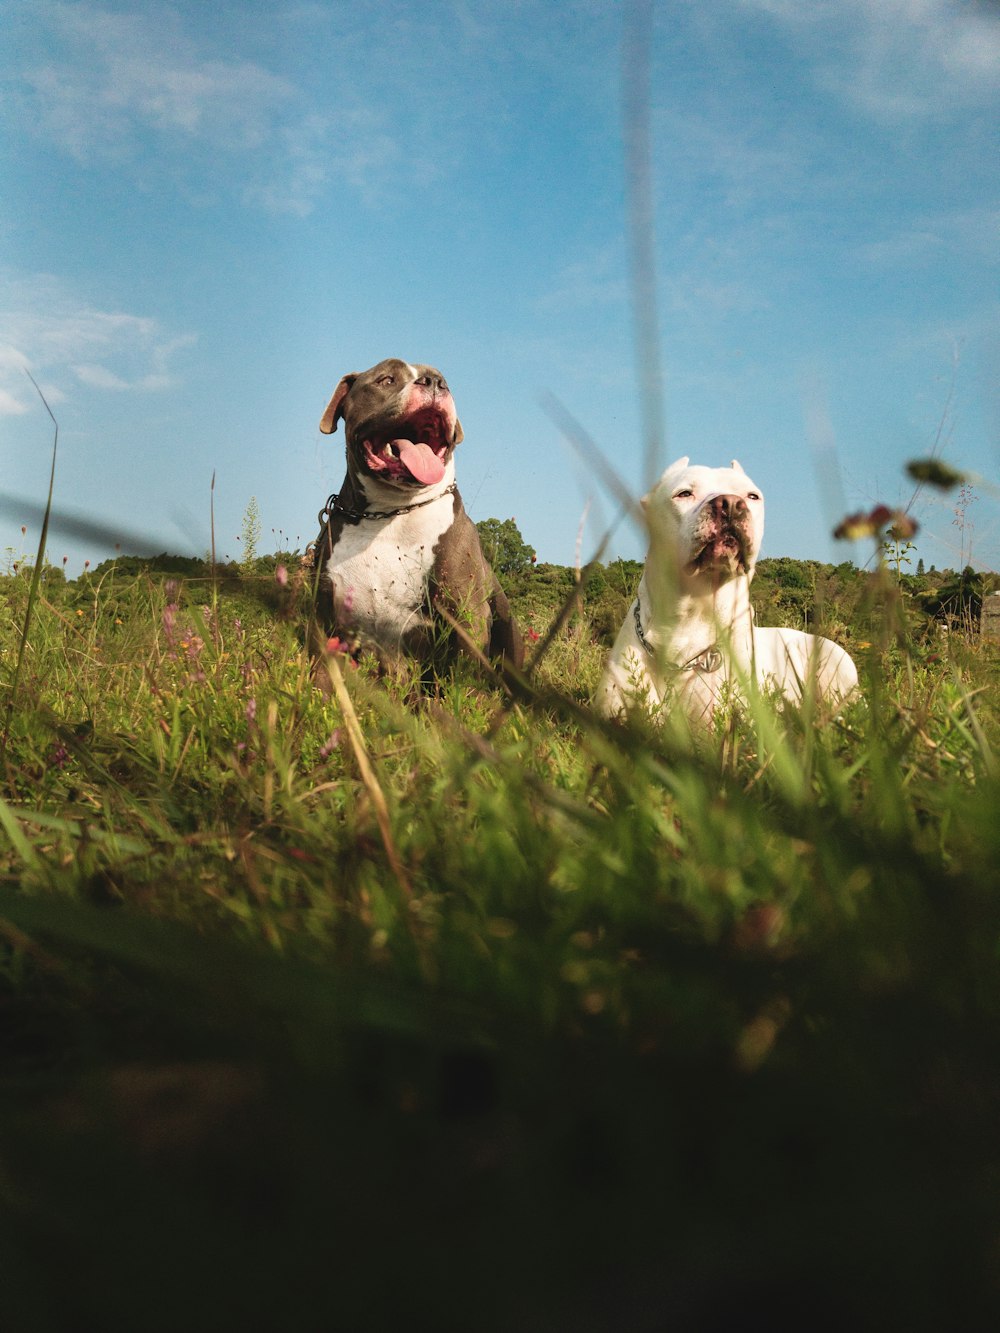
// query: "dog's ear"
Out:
[736,467]
[334,412]
[459,434]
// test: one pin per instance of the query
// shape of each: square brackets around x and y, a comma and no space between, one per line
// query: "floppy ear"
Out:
[333,412]
[736,467]
[459,434]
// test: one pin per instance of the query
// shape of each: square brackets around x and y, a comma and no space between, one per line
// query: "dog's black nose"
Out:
[435,382]
[729,506]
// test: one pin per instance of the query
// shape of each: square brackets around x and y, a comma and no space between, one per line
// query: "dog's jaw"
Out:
[723,543]
[400,422]
[412,450]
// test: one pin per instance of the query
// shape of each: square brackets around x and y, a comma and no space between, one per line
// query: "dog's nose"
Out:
[433,382]
[729,506]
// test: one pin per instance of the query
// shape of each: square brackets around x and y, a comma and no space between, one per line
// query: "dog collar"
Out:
[335,505]
[707,661]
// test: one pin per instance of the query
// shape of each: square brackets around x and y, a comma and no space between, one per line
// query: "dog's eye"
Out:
[753,495]
[686,494]
[386,379]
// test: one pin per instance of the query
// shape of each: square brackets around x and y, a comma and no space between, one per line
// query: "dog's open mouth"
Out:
[417,451]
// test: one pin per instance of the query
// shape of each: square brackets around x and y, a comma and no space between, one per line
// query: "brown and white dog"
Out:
[690,636]
[396,546]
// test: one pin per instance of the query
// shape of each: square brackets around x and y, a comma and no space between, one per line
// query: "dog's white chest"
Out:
[380,570]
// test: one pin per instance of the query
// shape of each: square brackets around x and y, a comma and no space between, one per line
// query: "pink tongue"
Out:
[420,461]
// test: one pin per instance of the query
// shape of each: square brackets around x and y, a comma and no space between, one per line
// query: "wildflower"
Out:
[903,528]
[328,747]
[251,709]
[935,473]
[79,612]
[337,645]
[86,564]
[59,757]
[171,588]
[281,576]
[532,635]
[856,526]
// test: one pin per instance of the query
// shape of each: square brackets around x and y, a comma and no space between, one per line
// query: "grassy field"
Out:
[477,1014]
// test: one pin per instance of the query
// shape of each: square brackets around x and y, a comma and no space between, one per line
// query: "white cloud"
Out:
[134,88]
[970,232]
[596,280]
[895,59]
[116,75]
[47,329]
[11,406]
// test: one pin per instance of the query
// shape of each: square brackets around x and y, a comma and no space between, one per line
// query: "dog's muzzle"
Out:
[723,534]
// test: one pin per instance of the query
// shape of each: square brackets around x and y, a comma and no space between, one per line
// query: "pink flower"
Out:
[59,757]
[281,576]
[331,744]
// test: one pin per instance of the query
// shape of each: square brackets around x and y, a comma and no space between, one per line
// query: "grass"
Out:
[582,1028]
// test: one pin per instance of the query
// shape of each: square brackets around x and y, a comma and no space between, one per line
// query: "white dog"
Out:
[690,636]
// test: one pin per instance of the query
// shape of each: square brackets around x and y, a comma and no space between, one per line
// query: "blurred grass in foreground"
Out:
[662,1037]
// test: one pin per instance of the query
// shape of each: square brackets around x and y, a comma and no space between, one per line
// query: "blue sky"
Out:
[211,213]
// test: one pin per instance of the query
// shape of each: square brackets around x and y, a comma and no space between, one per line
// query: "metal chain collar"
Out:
[335,505]
[707,661]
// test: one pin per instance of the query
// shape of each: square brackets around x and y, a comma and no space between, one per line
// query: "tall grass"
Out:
[585,1027]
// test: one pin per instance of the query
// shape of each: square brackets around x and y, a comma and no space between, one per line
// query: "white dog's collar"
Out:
[707,661]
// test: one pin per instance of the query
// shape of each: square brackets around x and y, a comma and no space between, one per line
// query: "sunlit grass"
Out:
[633,1004]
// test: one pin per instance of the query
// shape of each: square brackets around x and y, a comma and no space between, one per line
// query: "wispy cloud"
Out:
[61,339]
[110,86]
[971,231]
[595,280]
[896,59]
[115,75]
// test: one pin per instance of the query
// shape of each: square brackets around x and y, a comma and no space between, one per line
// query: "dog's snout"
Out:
[435,383]
[729,506]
